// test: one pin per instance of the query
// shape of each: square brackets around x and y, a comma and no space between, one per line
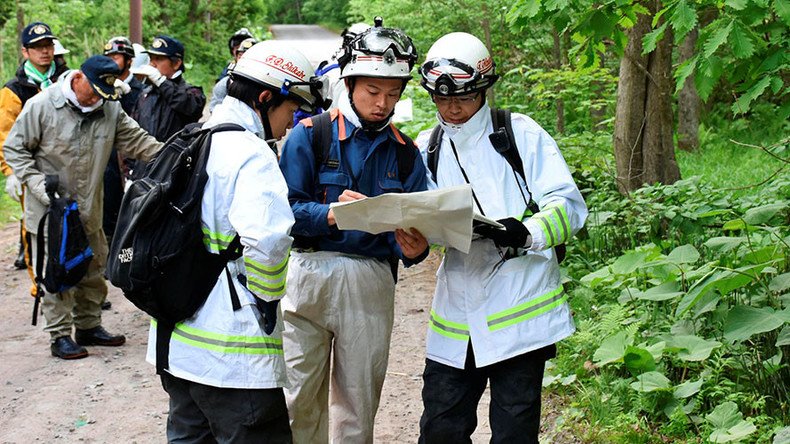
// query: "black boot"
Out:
[98,336]
[106,305]
[19,263]
[65,348]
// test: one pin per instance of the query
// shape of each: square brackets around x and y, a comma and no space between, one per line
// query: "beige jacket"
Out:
[51,136]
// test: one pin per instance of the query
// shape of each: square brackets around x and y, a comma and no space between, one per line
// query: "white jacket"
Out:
[245,194]
[512,307]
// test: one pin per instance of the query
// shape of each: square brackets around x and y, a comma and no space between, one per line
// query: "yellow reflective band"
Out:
[268,269]
[268,288]
[546,227]
[216,242]
[561,221]
[248,345]
[527,310]
[452,330]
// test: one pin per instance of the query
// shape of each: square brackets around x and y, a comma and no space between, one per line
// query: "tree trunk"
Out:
[598,114]
[487,33]
[20,25]
[688,100]
[557,64]
[643,146]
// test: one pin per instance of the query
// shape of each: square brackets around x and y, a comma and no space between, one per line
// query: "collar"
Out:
[176,75]
[68,93]
[233,110]
[344,110]
[477,124]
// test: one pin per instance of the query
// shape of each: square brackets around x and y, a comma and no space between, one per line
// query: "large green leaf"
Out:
[691,347]
[743,321]
[782,436]
[700,287]
[742,46]
[744,101]
[763,214]
[683,71]
[638,360]
[782,8]
[683,19]
[651,382]
[780,283]
[612,348]
[728,423]
[724,244]
[739,5]
[684,254]
[784,337]
[709,70]
[651,39]
[629,262]
[688,388]
[721,30]
[663,292]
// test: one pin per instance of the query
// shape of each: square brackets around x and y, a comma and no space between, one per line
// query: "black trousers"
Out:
[201,414]
[450,397]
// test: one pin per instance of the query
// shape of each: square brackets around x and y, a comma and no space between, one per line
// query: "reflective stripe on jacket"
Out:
[245,194]
[506,308]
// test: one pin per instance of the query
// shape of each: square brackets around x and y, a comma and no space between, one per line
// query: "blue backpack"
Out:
[67,249]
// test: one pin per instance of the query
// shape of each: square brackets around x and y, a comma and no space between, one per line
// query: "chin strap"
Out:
[263,109]
[367,126]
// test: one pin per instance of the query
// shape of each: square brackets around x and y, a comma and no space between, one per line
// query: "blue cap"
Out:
[167,46]
[101,72]
[36,32]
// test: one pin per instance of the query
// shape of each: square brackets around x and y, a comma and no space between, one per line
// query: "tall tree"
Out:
[688,100]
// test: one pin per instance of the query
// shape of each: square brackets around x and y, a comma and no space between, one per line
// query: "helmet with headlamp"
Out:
[457,64]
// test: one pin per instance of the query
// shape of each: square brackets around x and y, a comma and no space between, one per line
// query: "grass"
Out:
[9,209]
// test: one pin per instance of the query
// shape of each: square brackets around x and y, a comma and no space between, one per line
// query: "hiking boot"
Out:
[19,263]
[98,336]
[65,348]
[106,305]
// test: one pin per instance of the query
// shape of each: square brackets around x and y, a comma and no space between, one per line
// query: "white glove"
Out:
[39,191]
[152,73]
[13,188]
[121,87]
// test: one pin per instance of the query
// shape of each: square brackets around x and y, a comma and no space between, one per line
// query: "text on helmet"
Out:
[285,66]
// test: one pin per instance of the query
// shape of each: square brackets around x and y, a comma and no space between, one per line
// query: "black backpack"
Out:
[504,142]
[68,252]
[157,256]
[322,144]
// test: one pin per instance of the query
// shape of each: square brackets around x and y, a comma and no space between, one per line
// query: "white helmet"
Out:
[59,49]
[378,52]
[457,64]
[285,70]
[140,56]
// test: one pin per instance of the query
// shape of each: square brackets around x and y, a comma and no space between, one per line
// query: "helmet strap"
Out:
[367,126]
[263,110]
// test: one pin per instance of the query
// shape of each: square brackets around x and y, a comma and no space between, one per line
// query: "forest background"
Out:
[673,117]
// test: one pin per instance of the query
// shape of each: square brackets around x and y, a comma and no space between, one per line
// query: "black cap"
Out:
[36,32]
[101,71]
[167,46]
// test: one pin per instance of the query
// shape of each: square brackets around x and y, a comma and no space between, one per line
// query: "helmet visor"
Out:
[449,75]
[379,40]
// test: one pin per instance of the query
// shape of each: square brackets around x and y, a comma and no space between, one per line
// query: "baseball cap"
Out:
[36,32]
[167,46]
[101,71]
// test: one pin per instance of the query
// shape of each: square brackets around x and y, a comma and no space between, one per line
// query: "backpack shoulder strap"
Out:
[434,145]
[322,137]
[406,155]
[501,119]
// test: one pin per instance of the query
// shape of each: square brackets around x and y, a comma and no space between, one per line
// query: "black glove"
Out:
[269,312]
[514,235]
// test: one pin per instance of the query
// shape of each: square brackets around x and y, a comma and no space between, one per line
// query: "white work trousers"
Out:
[336,307]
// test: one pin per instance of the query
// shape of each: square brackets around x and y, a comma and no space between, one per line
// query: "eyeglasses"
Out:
[457,100]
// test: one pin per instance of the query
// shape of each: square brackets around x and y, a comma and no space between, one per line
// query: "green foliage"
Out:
[83,27]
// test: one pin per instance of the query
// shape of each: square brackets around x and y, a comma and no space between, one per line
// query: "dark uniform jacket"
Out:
[165,110]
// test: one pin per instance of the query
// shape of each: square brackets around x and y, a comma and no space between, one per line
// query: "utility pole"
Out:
[136,21]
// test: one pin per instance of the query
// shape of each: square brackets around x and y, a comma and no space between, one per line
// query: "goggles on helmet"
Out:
[378,41]
[319,89]
[447,81]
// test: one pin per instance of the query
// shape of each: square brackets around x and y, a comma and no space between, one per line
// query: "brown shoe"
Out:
[65,348]
[98,336]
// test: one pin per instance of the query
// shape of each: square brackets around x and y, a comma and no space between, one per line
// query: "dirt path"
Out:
[114,396]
